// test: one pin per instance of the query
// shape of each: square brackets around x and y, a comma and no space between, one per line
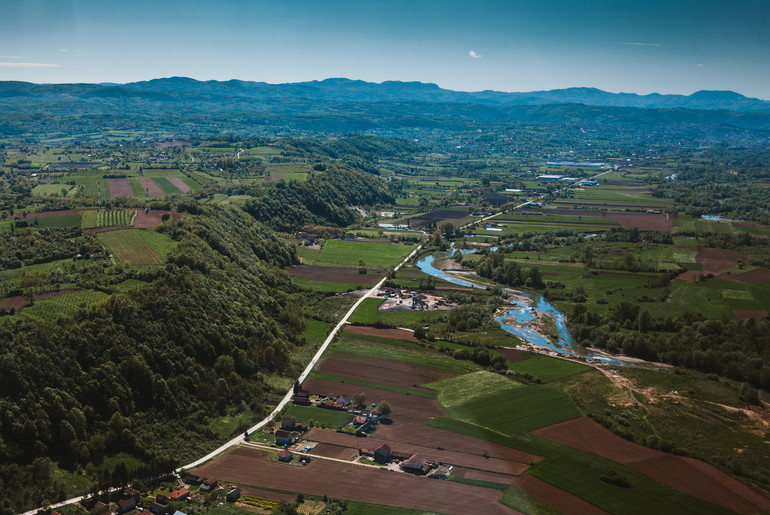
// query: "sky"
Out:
[639,46]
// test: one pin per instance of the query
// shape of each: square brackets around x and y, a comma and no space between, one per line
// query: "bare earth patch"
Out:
[750,313]
[395,334]
[21,301]
[687,475]
[120,188]
[334,275]
[717,260]
[151,187]
[153,218]
[179,183]
[349,481]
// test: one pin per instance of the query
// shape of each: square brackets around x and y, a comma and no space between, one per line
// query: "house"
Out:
[589,182]
[192,479]
[343,399]
[285,456]
[125,505]
[301,427]
[382,453]
[162,499]
[366,428]
[288,424]
[416,466]
[233,495]
[179,513]
[301,397]
[157,508]
[360,420]
[209,485]
[180,495]
[332,405]
[283,437]
[401,456]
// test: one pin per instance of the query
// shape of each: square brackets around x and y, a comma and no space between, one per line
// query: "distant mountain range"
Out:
[346,90]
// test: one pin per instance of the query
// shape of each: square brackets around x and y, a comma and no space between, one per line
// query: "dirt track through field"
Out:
[349,481]
[687,475]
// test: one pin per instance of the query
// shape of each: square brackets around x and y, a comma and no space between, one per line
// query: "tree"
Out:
[384,408]
[359,398]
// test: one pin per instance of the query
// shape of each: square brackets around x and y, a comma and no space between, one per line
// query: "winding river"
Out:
[525,314]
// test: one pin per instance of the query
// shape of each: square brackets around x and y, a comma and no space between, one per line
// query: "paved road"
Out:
[240,439]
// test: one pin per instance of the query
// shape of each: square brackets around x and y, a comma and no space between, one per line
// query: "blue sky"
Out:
[641,46]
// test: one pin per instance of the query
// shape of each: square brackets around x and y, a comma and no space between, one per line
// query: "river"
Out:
[525,316]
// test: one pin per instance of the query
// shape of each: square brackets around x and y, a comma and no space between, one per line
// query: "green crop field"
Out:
[50,308]
[326,286]
[547,368]
[308,255]
[54,189]
[368,314]
[138,246]
[55,221]
[509,408]
[325,417]
[396,350]
[108,218]
[166,186]
[343,253]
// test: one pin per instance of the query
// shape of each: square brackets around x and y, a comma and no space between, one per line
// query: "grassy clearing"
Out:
[525,503]
[308,255]
[326,286]
[369,384]
[548,369]
[130,285]
[49,309]
[138,246]
[230,425]
[518,410]
[387,348]
[324,417]
[345,253]
[55,221]
[467,388]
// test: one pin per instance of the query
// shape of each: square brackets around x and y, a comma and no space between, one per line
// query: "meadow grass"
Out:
[548,369]
[327,417]
[138,246]
[50,308]
[347,253]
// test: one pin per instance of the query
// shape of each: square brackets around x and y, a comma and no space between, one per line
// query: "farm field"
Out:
[343,253]
[138,246]
[50,307]
[108,218]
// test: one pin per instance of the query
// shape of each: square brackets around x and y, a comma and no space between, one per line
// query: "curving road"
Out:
[286,398]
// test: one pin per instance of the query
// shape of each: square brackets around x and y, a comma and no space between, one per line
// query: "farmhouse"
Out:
[366,428]
[283,437]
[382,453]
[301,397]
[285,456]
[192,479]
[209,485]
[125,505]
[157,508]
[288,424]
[233,495]
[415,465]
[180,495]
[549,177]
[589,182]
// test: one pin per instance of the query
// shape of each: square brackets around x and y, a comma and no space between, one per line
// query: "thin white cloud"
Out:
[28,65]
[699,65]
[634,43]
[63,50]
[472,53]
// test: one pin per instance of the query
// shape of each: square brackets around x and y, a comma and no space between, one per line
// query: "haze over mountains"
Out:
[346,90]
[349,106]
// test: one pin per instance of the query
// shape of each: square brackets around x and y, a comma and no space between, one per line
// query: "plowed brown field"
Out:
[381,371]
[687,475]
[396,334]
[154,218]
[456,456]
[151,187]
[179,183]
[120,188]
[349,481]
[334,275]
[717,260]
[750,313]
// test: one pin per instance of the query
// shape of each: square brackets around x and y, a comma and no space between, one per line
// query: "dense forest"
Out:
[324,199]
[142,373]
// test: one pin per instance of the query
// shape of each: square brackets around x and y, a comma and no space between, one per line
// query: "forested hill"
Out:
[325,198]
[142,373]
[344,106]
